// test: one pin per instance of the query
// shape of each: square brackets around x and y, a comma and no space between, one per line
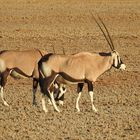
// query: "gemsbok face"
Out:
[79,68]
[117,62]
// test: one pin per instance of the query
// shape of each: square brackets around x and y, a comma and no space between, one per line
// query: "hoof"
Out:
[46,111]
[6,104]
[95,110]
[78,110]
[34,104]
[61,103]
[57,110]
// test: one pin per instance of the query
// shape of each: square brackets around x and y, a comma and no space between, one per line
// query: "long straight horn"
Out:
[102,32]
[107,33]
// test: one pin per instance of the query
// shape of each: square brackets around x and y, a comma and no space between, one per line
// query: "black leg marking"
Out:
[90,85]
[3,81]
[35,85]
[46,84]
[4,76]
[80,87]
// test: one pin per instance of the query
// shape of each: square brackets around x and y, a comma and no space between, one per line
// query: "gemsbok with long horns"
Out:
[21,64]
[79,68]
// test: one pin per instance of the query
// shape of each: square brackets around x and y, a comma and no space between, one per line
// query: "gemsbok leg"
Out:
[35,85]
[47,89]
[53,101]
[44,103]
[79,90]
[3,81]
[90,91]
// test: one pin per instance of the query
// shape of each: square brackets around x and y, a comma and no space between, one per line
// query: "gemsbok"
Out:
[79,68]
[21,64]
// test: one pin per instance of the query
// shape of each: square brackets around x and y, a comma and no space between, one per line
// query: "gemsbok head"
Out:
[79,68]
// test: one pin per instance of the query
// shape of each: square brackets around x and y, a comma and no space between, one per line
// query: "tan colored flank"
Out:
[74,69]
[19,64]
[80,66]
[24,61]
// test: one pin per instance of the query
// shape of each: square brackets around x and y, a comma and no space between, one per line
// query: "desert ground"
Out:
[44,24]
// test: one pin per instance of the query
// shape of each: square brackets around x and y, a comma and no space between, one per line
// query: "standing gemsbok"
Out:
[20,64]
[79,68]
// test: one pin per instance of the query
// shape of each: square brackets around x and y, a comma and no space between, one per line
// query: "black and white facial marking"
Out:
[59,90]
[117,62]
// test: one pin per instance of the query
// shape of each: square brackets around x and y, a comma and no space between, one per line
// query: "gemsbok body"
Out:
[79,68]
[20,64]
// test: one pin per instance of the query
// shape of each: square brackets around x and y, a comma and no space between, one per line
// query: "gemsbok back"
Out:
[79,68]
[20,64]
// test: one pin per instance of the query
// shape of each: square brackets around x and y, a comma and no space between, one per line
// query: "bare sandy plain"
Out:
[42,24]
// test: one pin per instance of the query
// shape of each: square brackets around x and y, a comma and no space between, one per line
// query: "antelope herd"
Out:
[53,71]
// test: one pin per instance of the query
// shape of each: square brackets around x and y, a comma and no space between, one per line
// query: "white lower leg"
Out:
[77,102]
[2,97]
[53,102]
[49,102]
[91,96]
[61,102]
[44,104]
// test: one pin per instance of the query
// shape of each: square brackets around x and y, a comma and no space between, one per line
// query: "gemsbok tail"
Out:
[2,65]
